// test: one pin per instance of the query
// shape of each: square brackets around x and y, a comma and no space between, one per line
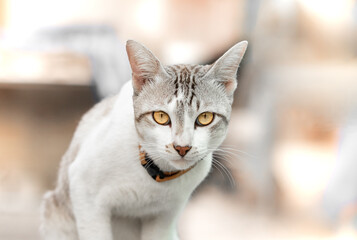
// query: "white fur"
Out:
[103,192]
[107,177]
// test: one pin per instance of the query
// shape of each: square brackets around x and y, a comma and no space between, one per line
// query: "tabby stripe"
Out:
[197,69]
[192,89]
[225,120]
[141,116]
[197,104]
[176,85]
[217,125]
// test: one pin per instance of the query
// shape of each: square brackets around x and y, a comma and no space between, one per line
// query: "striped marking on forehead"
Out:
[185,80]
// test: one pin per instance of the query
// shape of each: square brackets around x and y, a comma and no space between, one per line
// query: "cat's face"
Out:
[181,111]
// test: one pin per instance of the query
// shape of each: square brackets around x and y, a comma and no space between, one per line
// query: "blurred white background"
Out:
[292,142]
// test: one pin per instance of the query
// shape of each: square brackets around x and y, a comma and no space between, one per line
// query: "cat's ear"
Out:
[144,65]
[225,68]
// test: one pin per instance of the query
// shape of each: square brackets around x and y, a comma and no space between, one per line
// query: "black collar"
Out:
[155,172]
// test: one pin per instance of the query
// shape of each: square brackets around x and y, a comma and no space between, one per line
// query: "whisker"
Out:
[219,170]
[226,172]
[230,176]
[230,153]
[224,147]
[223,158]
[149,165]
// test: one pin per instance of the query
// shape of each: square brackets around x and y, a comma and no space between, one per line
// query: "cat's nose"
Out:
[182,150]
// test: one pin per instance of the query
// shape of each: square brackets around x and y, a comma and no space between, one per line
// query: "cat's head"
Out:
[182,111]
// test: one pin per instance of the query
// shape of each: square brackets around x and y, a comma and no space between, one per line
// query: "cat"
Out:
[136,157]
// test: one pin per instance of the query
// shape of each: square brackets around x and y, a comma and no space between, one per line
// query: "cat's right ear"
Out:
[144,65]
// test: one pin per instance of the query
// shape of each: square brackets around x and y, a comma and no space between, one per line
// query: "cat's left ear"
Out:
[225,68]
[144,65]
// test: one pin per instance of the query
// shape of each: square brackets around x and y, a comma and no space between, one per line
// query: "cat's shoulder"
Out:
[101,109]
[93,117]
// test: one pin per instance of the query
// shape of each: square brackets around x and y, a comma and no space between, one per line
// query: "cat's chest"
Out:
[142,196]
[148,197]
[120,182]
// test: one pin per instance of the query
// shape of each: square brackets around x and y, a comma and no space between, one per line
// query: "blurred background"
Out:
[291,149]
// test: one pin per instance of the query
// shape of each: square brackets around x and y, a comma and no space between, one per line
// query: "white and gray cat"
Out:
[135,158]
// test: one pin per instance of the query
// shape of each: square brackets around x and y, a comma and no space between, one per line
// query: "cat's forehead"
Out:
[185,80]
[185,71]
[183,89]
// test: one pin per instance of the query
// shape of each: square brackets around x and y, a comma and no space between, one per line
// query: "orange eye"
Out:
[161,117]
[205,118]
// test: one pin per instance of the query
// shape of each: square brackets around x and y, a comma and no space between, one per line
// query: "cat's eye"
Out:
[205,118]
[161,117]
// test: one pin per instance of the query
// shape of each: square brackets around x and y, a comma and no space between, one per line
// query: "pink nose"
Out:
[182,150]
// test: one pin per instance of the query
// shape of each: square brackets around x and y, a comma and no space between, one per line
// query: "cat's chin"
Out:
[182,164]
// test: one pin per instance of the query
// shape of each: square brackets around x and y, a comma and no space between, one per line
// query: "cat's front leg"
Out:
[161,227]
[93,223]
[93,217]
